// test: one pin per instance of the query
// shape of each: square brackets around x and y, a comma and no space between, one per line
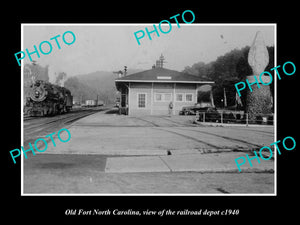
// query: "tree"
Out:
[199,69]
[227,70]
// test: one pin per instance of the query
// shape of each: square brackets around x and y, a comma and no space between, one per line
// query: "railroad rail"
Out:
[35,127]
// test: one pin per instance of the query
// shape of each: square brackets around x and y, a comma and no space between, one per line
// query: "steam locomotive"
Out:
[45,99]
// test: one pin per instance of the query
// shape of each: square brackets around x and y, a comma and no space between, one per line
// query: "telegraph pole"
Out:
[162,60]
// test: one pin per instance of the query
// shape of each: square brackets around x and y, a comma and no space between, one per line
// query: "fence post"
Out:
[222,117]
[246,119]
[197,115]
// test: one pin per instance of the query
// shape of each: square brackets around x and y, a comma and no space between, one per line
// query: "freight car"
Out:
[93,103]
[44,99]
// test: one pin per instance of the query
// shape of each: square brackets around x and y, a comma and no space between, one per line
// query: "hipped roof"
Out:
[162,75]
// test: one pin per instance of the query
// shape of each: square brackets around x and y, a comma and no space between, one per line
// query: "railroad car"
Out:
[90,103]
[45,99]
[93,103]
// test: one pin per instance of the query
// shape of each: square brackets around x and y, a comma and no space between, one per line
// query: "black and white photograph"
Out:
[159,117]
[146,112]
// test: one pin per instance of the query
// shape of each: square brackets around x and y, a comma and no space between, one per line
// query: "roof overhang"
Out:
[167,81]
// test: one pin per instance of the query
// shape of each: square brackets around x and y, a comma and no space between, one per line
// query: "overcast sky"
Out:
[109,47]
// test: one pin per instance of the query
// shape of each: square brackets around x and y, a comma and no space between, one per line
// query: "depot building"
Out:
[150,92]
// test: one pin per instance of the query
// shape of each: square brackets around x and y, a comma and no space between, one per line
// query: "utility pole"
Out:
[225,99]
[162,60]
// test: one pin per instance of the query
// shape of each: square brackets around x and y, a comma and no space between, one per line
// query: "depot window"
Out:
[179,97]
[188,97]
[163,97]
[142,100]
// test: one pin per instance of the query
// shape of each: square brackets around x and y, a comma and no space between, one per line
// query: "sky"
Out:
[110,47]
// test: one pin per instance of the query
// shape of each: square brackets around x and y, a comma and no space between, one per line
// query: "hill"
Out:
[88,86]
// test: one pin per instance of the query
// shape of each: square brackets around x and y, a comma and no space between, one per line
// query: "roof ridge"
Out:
[161,75]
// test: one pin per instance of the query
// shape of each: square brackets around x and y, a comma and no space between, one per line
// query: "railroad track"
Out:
[64,119]
[25,118]
[41,126]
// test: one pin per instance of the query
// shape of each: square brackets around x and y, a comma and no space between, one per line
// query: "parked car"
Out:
[209,114]
[191,110]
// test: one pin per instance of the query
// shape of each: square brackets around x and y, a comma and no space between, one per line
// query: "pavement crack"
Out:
[165,163]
